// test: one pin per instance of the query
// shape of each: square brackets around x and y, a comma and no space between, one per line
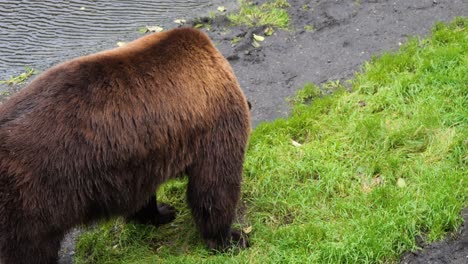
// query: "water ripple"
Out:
[40,34]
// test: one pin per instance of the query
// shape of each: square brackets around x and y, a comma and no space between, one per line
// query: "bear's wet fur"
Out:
[94,137]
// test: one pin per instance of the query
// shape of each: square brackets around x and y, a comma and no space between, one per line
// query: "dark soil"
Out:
[345,35]
[453,250]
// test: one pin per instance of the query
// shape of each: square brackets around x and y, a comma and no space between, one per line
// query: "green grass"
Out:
[271,13]
[20,78]
[369,172]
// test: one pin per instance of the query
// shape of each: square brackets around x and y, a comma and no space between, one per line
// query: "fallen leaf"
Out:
[255,44]
[295,143]
[154,28]
[258,38]
[269,31]
[199,25]
[221,9]
[367,188]
[235,40]
[401,182]
[248,229]
[376,181]
[121,43]
[180,21]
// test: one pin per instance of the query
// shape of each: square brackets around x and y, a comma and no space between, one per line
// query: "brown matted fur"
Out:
[95,136]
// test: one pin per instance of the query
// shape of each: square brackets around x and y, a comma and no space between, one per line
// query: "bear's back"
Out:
[161,88]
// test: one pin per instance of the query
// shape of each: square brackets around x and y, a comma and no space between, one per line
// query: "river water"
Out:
[40,34]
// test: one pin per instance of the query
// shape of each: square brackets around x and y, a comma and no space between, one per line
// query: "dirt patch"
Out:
[453,250]
[328,40]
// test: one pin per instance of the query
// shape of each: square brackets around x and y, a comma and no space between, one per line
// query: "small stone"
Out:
[233,57]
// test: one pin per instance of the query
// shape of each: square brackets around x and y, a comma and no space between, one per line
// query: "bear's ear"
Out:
[250,105]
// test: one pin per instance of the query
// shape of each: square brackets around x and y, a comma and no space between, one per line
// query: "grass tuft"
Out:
[20,78]
[351,177]
[271,13]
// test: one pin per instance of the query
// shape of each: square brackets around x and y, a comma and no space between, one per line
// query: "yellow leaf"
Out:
[401,182]
[248,229]
[180,21]
[154,28]
[256,44]
[269,31]
[296,144]
[258,38]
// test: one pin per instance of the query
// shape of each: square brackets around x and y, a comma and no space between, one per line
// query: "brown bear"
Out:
[94,137]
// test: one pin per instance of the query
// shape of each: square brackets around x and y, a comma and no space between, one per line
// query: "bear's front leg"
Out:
[154,214]
[27,250]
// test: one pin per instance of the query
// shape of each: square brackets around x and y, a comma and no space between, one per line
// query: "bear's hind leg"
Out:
[213,193]
[154,214]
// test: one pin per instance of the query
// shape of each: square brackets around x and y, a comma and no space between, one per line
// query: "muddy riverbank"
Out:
[344,35]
